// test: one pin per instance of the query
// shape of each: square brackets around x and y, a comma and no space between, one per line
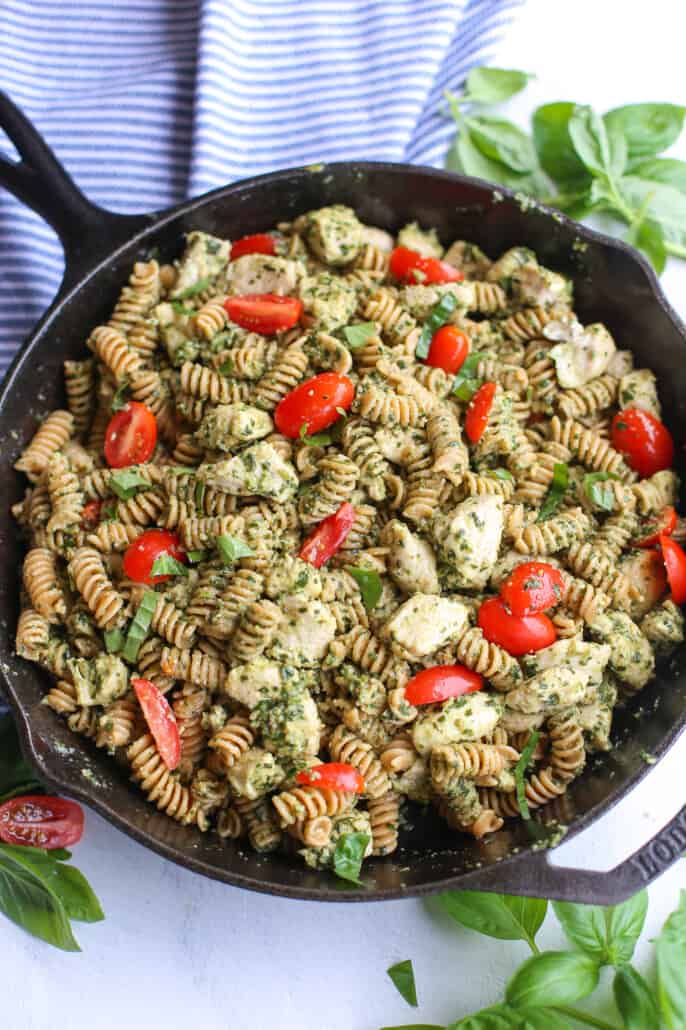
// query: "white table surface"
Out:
[177,948]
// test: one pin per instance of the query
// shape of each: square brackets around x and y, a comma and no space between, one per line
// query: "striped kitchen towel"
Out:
[147,102]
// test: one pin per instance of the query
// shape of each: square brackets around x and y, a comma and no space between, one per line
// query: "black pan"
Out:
[613,284]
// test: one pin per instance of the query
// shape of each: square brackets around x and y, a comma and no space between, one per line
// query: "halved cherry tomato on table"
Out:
[264,313]
[90,516]
[441,682]
[161,721]
[645,442]
[324,541]
[258,243]
[314,404]
[675,563]
[140,556]
[448,350]
[478,411]
[409,266]
[532,587]
[41,822]
[516,634]
[130,436]
[333,776]
[663,524]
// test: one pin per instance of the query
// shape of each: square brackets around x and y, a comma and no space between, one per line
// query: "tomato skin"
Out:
[258,243]
[532,587]
[404,263]
[440,682]
[448,350]
[314,404]
[478,411]
[327,537]
[665,524]
[161,721]
[645,442]
[675,563]
[333,776]
[516,634]
[131,436]
[90,516]
[264,313]
[140,555]
[40,821]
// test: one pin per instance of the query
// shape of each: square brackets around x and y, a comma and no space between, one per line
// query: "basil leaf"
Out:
[603,152]
[180,308]
[415,1026]
[635,1000]
[192,291]
[138,630]
[126,482]
[348,856]
[402,975]
[231,548]
[178,470]
[109,512]
[227,368]
[70,885]
[501,474]
[196,556]
[28,899]
[647,128]
[121,396]
[647,237]
[585,927]
[316,440]
[465,156]
[466,383]
[199,495]
[14,769]
[552,978]
[554,145]
[607,933]
[659,203]
[520,772]
[440,313]
[496,1017]
[599,495]
[666,170]
[357,335]
[493,85]
[671,963]
[503,916]
[369,583]
[556,491]
[624,927]
[114,640]
[503,141]
[542,1019]
[166,565]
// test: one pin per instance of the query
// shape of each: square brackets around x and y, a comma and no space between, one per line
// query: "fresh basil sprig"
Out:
[556,491]
[440,313]
[348,856]
[369,583]
[402,975]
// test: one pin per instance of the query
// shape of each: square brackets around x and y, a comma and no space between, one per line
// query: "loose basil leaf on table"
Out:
[504,916]
[503,141]
[555,149]
[496,1017]
[667,170]
[661,204]
[402,975]
[493,85]
[552,978]
[602,151]
[647,128]
[671,963]
[635,1000]
[647,236]
[607,933]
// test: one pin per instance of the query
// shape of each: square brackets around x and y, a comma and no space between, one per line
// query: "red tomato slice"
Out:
[478,411]
[675,563]
[532,587]
[314,404]
[259,243]
[448,350]
[441,682]
[90,516]
[663,524]
[140,556]
[264,312]
[130,436]
[333,776]
[328,536]
[645,442]
[161,721]
[41,822]
[409,266]
[516,634]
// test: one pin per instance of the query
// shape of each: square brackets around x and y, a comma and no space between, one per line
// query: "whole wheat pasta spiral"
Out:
[338,476]
[137,298]
[53,433]
[555,534]
[395,321]
[450,762]
[43,585]
[188,706]
[259,818]
[567,748]
[119,723]
[590,449]
[149,664]
[388,408]
[282,377]
[346,747]
[65,494]
[362,647]
[88,572]
[159,785]
[62,698]
[204,384]
[541,372]
[253,358]
[590,564]
[301,803]
[243,589]
[450,454]
[79,384]
[361,447]
[33,634]
[211,318]
[587,400]
[196,533]
[255,632]
[527,324]
[488,298]
[232,740]
[169,623]
[193,666]
[653,494]
[490,660]
[112,536]
[112,349]
[399,754]
[384,817]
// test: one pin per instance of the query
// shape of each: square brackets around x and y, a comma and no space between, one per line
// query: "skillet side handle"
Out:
[87,232]
[536,877]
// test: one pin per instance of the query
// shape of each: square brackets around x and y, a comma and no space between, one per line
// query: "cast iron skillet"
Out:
[613,284]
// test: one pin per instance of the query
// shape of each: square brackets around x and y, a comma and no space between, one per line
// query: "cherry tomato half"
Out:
[645,442]
[663,524]
[333,776]
[41,822]
[516,634]
[140,556]
[324,541]
[675,563]
[448,350]
[441,682]
[259,243]
[90,516]
[478,411]
[532,587]
[314,404]
[264,312]
[130,436]
[161,721]
[409,266]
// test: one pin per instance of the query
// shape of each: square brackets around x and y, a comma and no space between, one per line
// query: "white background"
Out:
[178,949]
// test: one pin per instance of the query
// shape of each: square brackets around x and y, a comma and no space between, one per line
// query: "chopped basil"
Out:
[121,396]
[192,291]
[199,495]
[601,496]
[127,482]
[369,583]
[402,975]
[520,772]
[466,382]
[138,630]
[556,492]
[357,335]
[316,440]
[501,474]
[440,313]
[166,565]
[109,512]
[179,470]
[181,308]
[227,368]
[114,640]
[195,556]
[348,856]
[231,548]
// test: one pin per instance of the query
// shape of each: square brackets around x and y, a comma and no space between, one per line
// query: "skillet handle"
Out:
[87,232]
[536,877]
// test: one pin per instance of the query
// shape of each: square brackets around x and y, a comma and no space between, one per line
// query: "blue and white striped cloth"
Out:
[147,102]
